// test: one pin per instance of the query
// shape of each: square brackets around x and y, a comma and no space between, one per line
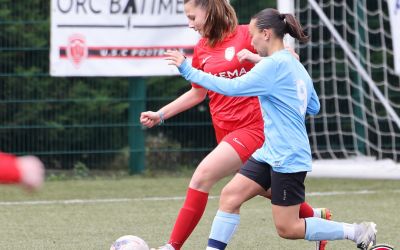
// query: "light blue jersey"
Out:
[286,94]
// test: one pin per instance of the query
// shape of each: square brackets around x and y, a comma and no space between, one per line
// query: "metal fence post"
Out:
[136,135]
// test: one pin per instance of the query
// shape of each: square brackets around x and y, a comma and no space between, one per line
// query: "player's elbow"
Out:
[314,109]
[227,92]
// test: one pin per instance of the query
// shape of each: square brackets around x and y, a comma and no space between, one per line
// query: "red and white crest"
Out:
[77,49]
[230,53]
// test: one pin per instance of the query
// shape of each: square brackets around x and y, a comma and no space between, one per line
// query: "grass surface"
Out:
[91,214]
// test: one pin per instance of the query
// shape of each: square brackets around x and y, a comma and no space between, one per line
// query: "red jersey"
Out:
[229,113]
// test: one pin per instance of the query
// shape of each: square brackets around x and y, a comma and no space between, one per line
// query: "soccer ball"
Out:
[381,247]
[129,242]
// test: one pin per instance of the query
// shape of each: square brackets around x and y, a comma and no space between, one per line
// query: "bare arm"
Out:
[25,170]
[246,55]
[189,99]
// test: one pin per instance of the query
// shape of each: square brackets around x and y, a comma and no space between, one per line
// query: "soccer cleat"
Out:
[320,245]
[381,247]
[165,247]
[365,235]
[326,214]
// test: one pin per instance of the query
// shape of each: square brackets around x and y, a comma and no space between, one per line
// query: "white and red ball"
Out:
[129,242]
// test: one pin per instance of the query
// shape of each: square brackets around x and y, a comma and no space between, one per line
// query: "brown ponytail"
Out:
[280,24]
[293,27]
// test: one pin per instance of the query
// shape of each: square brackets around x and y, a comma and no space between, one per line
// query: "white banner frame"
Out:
[117,37]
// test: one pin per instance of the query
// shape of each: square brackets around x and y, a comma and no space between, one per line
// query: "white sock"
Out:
[317,212]
[349,231]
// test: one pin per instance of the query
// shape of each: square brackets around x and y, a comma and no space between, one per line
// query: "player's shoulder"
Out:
[276,58]
[283,57]
[201,43]
[201,47]
[275,63]
[243,30]
[243,27]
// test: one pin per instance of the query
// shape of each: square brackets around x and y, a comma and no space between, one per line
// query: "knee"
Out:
[284,231]
[202,180]
[267,194]
[230,200]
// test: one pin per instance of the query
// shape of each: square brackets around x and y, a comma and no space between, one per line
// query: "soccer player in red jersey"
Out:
[25,170]
[237,121]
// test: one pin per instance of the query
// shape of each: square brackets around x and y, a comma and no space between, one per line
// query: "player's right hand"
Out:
[149,119]
[32,172]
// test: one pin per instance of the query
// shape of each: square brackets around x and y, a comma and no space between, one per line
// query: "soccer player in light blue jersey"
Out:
[286,94]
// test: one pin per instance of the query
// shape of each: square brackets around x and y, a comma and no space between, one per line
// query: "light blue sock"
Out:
[222,230]
[318,229]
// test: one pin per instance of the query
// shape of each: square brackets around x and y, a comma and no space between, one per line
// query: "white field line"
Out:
[120,200]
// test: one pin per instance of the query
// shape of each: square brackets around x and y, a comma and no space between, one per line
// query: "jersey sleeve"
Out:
[259,81]
[9,172]
[195,64]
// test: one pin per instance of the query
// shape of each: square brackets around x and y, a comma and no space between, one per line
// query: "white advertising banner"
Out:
[394,13]
[117,37]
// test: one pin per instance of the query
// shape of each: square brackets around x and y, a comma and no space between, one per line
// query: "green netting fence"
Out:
[95,121]
[92,121]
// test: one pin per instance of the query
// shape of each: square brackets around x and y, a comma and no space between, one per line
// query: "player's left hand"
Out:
[247,55]
[32,172]
[174,57]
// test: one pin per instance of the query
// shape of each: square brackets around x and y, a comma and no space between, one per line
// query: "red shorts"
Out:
[245,141]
